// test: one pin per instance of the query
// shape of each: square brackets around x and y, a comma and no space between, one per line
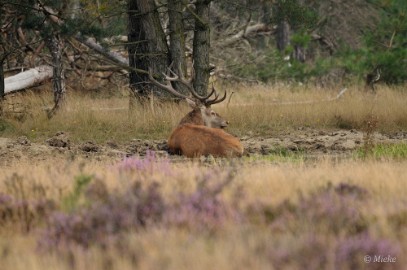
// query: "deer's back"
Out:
[195,140]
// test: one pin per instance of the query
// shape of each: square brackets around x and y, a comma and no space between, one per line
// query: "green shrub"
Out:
[71,201]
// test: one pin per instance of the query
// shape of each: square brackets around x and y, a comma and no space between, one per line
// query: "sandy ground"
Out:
[307,141]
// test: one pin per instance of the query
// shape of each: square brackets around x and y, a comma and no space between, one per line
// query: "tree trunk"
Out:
[55,45]
[299,53]
[75,7]
[201,46]
[138,51]
[177,40]
[158,56]
[283,35]
[2,86]
[266,20]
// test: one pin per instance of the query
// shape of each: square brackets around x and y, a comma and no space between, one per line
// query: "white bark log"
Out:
[27,79]
[261,27]
[91,43]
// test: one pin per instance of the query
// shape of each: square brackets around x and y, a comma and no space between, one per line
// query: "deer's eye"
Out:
[213,113]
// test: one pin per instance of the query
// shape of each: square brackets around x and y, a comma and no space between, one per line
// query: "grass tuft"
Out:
[385,151]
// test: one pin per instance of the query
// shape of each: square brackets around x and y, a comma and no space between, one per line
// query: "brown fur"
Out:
[193,139]
[193,117]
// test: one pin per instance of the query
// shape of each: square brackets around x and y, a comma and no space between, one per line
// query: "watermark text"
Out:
[379,259]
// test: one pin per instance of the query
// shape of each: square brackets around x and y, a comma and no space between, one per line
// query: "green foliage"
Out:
[5,126]
[385,46]
[352,60]
[301,39]
[274,66]
[97,19]
[299,16]
[281,155]
[387,151]
[71,201]
[104,18]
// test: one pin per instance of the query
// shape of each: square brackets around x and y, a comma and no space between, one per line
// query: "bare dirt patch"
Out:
[307,141]
[322,142]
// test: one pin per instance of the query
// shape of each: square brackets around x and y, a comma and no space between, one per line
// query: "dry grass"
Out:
[86,118]
[238,245]
[261,180]
[251,111]
[261,114]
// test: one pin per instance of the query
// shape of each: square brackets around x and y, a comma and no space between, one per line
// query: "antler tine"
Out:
[166,86]
[187,82]
[174,77]
[171,76]
[211,93]
[215,100]
[203,99]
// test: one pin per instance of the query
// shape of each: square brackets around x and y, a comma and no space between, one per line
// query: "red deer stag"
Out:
[200,132]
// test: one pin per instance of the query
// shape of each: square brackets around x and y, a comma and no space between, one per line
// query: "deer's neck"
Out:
[193,117]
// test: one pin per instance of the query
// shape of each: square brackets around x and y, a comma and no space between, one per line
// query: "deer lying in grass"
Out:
[200,132]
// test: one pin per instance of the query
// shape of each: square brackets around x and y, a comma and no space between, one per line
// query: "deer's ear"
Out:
[191,103]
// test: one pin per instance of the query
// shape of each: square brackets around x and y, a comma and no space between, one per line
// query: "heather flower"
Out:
[104,219]
[97,191]
[306,252]
[149,164]
[334,208]
[204,208]
[109,215]
[6,210]
[199,210]
[4,199]
[346,189]
[338,213]
[397,217]
[351,252]
[25,212]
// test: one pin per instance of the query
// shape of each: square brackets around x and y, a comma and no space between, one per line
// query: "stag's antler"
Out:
[215,100]
[166,86]
[171,76]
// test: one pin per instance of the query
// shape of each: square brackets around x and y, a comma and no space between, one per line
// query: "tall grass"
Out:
[284,216]
[252,110]
[258,110]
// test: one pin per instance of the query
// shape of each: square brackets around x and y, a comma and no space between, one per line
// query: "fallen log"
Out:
[27,79]
[260,27]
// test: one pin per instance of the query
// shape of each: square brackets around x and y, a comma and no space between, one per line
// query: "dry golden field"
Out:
[316,189]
